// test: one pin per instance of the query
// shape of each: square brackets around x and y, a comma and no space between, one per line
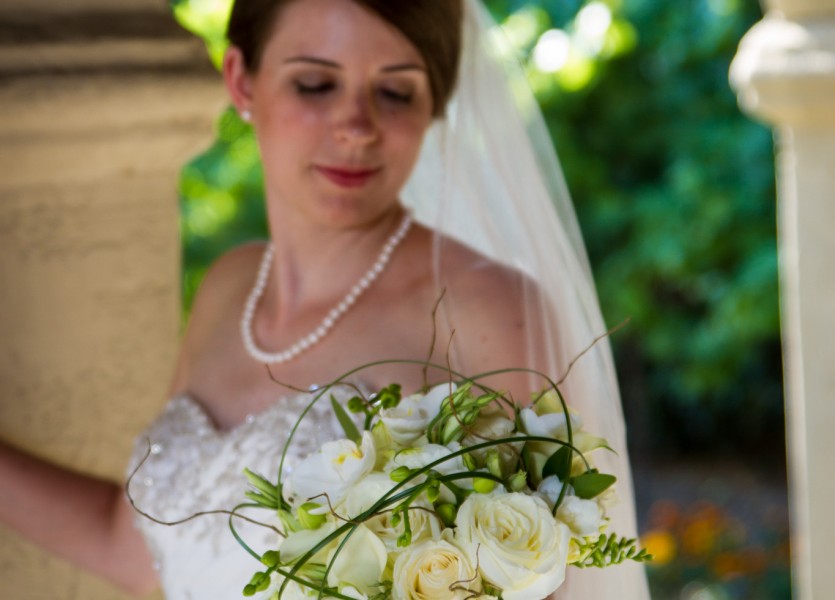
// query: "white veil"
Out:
[488,177]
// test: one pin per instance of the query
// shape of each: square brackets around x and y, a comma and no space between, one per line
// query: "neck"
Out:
[317,264]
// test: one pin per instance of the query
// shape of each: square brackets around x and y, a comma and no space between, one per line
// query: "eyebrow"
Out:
[334,65]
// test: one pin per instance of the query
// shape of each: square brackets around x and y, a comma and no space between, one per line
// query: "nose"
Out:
[358,124]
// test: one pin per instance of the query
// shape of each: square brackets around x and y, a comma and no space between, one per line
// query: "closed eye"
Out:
[402,97]
[311,90]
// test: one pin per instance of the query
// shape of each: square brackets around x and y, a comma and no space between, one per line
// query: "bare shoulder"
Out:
[491,306]
[487,286]
[220,295]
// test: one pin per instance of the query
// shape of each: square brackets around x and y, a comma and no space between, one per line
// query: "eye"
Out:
[398,96]
[311,88]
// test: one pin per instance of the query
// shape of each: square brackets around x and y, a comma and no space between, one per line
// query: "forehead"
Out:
[338,30]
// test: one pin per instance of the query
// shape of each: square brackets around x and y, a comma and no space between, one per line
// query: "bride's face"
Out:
[340,104]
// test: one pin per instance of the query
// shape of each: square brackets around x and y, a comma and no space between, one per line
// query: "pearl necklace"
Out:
[332,317]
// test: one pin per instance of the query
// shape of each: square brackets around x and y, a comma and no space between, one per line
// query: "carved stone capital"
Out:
[784,72]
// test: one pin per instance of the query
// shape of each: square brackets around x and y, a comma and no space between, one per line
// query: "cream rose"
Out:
[434,569]
[521,548]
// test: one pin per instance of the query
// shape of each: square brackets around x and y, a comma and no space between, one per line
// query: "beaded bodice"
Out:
[194,467]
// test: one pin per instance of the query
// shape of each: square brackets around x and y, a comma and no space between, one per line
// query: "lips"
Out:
[346,176]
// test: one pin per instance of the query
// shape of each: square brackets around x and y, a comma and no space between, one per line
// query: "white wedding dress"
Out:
[194,467]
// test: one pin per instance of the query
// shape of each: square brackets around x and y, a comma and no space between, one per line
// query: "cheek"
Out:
[408,148]
[292,132]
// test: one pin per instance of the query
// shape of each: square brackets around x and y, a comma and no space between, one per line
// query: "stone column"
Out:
[101,102]
[785,74]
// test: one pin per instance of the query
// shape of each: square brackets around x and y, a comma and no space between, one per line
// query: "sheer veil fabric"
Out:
[488,177]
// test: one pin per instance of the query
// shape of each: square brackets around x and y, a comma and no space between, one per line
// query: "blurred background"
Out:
[674,189]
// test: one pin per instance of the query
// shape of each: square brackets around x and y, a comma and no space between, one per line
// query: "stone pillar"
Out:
[785,74]
[101,102]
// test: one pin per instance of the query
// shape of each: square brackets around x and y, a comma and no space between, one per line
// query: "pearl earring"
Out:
[246,116]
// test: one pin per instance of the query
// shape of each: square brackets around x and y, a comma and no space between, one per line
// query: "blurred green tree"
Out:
[674,189]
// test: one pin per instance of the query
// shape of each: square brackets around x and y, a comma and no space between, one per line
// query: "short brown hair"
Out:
[432,26]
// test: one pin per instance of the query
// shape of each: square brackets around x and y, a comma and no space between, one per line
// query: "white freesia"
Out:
[332,470]
[550,489]
[434,569]
[583,517]
[407,421]
[300,542]
[521,548]
[359,562]
[548,425]
[296,591]
[364,494]
[417,458]
[495,426]
[292,591]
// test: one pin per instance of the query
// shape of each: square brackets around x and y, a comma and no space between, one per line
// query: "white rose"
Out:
[521,548]
[360,561]
[434,569]
[332,470]
[408,420]
[583,517]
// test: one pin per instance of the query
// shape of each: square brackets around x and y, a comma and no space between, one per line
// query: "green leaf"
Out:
[558,464]
[351,431]
[591,484]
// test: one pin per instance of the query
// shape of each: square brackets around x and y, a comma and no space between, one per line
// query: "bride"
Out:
[401,165]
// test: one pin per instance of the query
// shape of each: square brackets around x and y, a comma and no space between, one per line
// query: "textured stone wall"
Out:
[100,104]
[785,74]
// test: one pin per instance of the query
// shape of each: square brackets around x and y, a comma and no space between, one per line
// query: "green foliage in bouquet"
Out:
[459,470]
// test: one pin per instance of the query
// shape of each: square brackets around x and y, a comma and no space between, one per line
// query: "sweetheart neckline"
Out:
[252,418]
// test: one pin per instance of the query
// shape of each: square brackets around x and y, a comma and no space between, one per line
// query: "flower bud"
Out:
[356,404]
[447,513]
[400,474]
[483,486]
[270,558]
[307,519]
[493,462]
[518,481]
[433,492]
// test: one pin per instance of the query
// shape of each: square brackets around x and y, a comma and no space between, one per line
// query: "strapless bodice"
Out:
[194,467]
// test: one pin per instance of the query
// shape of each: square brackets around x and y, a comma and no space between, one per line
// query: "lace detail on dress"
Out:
[195,467]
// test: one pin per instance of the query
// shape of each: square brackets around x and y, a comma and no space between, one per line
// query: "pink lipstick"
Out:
[347,177]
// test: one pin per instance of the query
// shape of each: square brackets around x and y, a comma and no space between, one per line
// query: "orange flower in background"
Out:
[702,529]
[661,544]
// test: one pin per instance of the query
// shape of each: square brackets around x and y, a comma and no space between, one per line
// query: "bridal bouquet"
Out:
[456,493]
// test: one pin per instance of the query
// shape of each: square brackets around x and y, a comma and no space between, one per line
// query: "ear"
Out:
[238,80]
